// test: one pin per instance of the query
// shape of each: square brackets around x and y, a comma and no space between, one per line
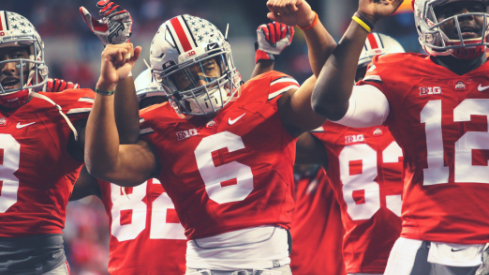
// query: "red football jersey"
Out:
[317,230]
[36,172]
[143,227]
[440,119]
[365,168]
[233,171]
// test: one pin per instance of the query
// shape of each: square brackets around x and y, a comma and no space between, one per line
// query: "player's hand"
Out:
[114,27]
[58,85]
[272,38]
[374,10]
[116,64]
[291,12]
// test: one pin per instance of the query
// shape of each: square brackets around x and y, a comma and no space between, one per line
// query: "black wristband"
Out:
[365,20]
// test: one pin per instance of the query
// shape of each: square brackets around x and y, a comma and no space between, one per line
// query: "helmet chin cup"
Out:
[467,52]
[15,100]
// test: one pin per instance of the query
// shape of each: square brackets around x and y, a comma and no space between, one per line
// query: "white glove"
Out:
[272,38]
[114,27]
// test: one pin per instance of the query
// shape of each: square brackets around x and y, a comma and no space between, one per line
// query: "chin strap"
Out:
[75,132]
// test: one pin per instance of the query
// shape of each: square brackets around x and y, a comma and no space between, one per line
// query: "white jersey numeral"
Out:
[436,172]
[213,176]
[360,183]
[129,213]
[160,228]
[464,170]
[9,164]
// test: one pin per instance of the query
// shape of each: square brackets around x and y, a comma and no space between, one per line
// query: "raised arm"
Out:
[126,165]
[126,110]
[335,82]
[295,108]
[298,12]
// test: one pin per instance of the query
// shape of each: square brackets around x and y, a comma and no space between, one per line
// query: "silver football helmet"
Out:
[17,31]
[191,60]
[146,86]
[436,42]
[378,44]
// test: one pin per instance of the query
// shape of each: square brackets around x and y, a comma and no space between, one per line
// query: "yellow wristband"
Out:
[361,23]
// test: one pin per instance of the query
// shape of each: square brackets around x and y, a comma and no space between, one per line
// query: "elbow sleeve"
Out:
[368,107]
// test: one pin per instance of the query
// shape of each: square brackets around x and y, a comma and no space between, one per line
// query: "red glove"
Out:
[58,85]
[272,38]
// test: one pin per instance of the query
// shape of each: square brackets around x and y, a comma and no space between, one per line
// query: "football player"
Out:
[316,229]
[39,152]
[365,168]
[316,211]
[435,107]
[223,152]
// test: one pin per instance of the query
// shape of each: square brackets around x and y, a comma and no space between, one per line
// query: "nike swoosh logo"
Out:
[481,89]
[19,126]
[232,121]
[457,250]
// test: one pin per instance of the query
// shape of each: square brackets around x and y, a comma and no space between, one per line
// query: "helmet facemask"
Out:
[202,85]
[433,34]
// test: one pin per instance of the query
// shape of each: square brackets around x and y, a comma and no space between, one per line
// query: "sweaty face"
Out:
[197,75]
[10,72]
[471,26]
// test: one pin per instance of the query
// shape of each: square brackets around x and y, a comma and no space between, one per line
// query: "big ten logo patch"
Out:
[429,90]
[186,134]
[354,138]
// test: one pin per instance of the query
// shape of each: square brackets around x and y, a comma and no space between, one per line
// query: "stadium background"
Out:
[73,53]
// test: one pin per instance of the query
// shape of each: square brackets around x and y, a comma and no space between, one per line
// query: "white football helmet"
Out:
[435,42]
[378,44]
[184,53]
[146,87]
[17,31]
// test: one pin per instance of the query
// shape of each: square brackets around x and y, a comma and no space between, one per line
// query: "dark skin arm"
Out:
[125,165]
[310,150]
[294,106]
[127,125]
[126,111]
[85,186]
[263,66]
[334,85]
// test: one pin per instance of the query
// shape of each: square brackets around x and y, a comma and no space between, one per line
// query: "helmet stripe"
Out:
[189,33]
[3,25]
[372,41]
[182,37]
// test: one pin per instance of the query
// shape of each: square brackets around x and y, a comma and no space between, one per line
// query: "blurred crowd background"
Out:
[73,53]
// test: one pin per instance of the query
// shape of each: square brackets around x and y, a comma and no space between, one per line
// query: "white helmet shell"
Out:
[183,42]
[146,87]
[378,44]
[17,31]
